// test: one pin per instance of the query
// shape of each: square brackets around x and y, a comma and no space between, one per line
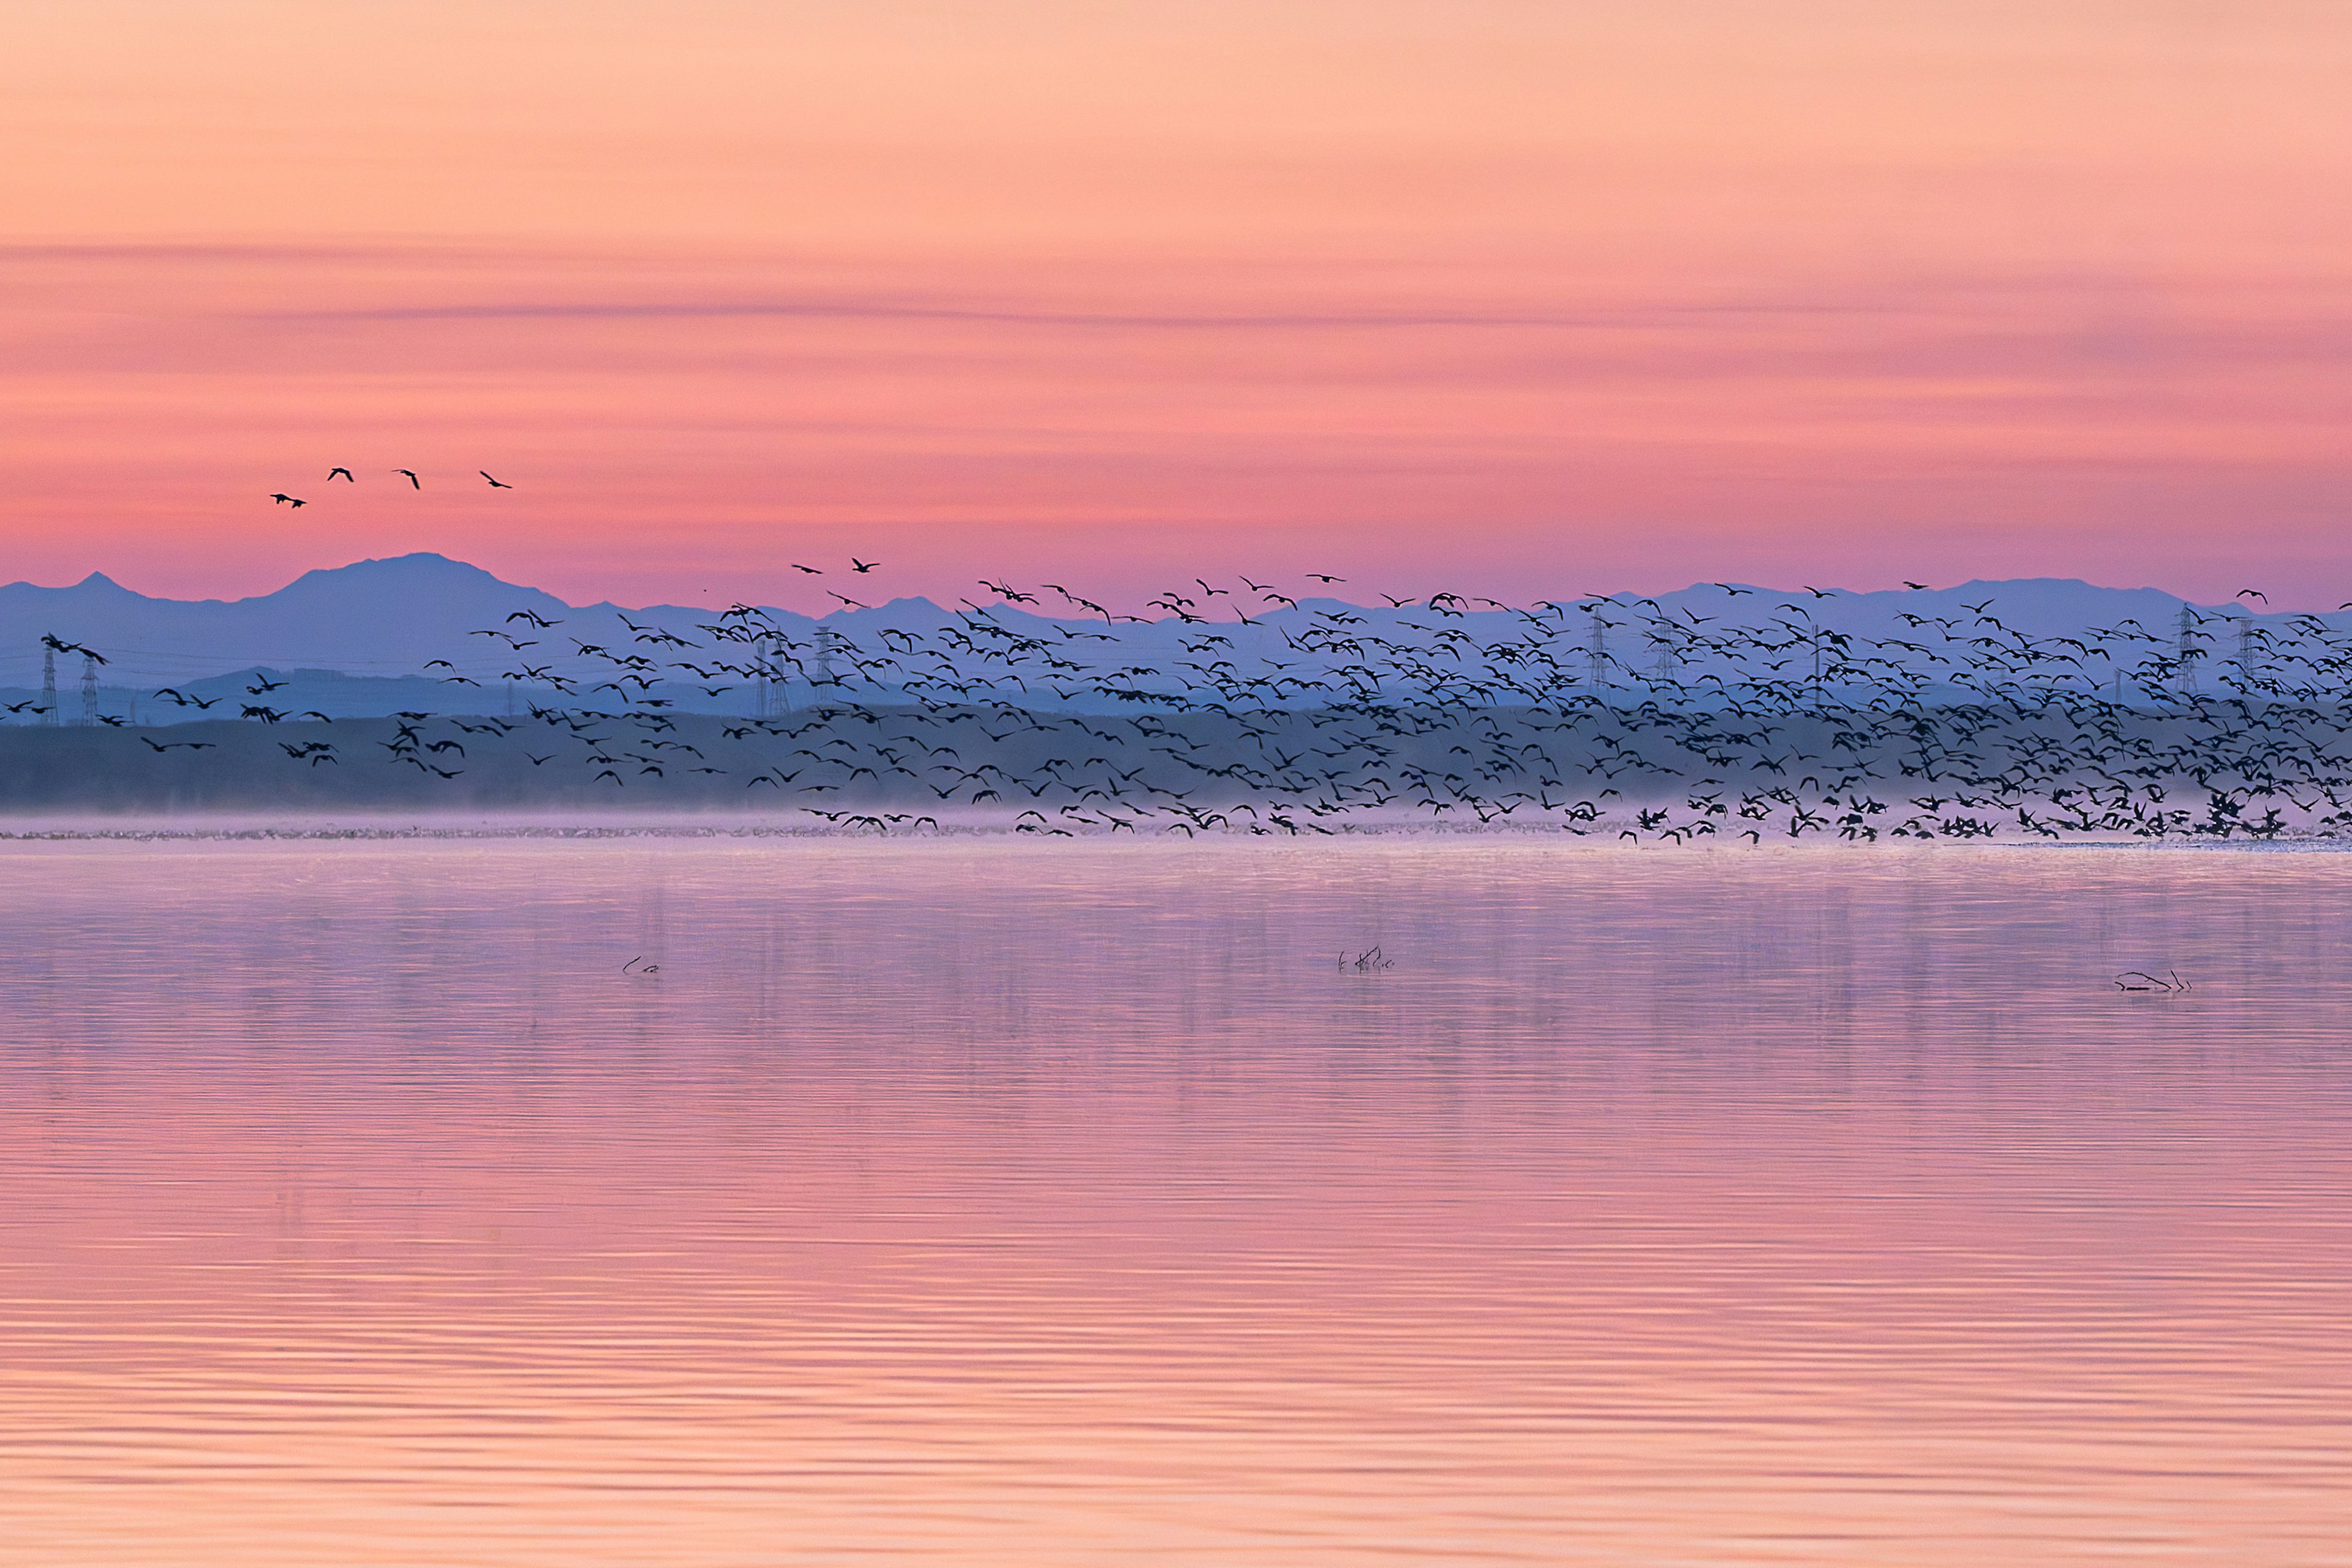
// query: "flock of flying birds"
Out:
[1239,709]
[280,498]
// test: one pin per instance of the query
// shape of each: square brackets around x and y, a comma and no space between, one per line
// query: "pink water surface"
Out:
[963,1202]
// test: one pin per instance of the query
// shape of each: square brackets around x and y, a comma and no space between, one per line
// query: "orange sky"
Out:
[1531,298]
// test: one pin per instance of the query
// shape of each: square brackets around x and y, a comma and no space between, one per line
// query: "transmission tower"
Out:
[89,688]
[49,686]
[1597,657]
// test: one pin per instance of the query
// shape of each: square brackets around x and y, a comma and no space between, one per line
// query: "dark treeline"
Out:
[2058,765]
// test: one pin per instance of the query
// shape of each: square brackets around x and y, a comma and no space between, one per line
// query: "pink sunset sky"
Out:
[1530,298]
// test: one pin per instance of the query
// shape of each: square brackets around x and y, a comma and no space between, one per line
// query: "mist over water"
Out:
[961,1202]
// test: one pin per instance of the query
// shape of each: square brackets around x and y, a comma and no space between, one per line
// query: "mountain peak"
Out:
[416,563]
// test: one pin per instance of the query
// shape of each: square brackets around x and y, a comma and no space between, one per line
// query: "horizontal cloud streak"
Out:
[885,311]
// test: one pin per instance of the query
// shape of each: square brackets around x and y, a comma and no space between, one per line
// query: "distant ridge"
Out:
[370,615]
[388,619]
[402,610]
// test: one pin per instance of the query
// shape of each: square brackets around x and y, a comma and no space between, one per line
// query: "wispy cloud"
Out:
[882,309]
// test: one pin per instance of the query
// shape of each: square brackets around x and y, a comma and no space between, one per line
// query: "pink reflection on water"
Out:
[969,1203]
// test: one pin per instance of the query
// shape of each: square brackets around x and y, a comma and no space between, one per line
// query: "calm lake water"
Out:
[1020,1204]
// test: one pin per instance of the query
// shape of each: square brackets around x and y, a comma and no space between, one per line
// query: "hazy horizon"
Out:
[944,594]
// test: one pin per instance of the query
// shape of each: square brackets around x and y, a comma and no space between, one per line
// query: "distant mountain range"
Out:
[361,636]
[374,618]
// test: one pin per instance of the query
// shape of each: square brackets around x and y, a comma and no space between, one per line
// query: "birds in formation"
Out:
[280,498]
[1241,708]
